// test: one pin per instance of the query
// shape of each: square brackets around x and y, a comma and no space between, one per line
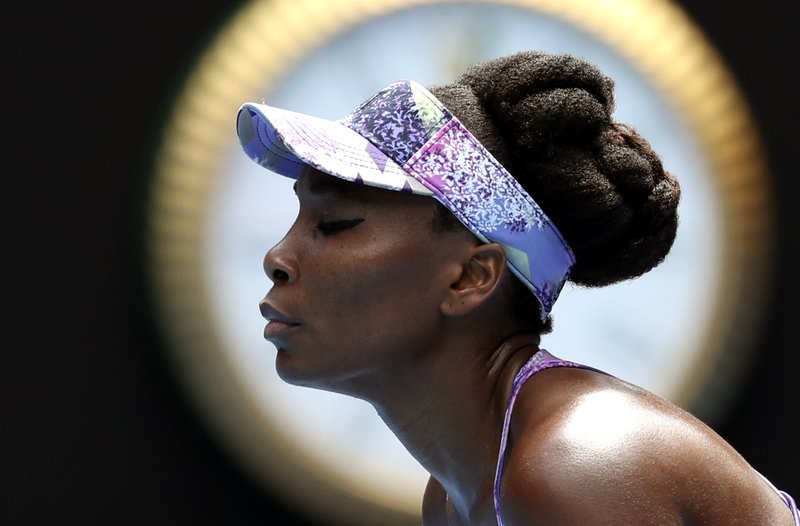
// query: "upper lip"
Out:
[272,314]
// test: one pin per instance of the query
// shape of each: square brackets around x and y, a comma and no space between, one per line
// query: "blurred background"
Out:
[96,428]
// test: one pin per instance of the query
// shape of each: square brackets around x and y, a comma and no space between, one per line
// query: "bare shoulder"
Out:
[607,452]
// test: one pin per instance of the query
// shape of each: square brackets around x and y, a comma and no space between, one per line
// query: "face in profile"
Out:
[357,282]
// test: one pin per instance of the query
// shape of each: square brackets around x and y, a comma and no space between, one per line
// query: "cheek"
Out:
[383,286]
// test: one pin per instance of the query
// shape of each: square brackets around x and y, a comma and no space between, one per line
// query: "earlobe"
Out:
[479,278]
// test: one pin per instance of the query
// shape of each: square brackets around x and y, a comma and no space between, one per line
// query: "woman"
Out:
[432,309]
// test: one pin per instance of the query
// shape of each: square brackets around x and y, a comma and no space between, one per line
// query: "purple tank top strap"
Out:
[792,505]
[787,499]
[538,362]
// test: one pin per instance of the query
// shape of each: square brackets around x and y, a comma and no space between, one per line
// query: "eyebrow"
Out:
[329,186]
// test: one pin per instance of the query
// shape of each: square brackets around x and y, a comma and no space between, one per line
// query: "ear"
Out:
[479,278]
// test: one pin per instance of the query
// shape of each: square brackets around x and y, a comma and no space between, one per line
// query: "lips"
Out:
[279,324]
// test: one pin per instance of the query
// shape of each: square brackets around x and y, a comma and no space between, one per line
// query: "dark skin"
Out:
[371,301]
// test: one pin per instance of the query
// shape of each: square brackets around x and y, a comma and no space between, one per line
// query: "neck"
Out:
[447,409]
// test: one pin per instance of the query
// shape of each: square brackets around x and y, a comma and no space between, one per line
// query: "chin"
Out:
[293,372]
[312,375]
[288,371]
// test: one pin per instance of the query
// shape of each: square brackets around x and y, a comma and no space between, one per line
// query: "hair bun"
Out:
[547,118]
[541,99]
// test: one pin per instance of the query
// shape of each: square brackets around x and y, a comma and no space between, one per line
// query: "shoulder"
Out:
[594,454]
[607,452]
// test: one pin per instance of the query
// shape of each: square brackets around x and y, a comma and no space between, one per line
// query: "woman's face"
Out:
[358,281]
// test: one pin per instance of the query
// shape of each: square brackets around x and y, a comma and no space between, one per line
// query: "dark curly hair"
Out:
[547,119]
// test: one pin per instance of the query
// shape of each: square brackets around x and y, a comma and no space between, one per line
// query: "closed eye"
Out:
[331,227]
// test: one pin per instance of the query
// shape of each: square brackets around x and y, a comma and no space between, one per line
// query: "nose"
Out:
[279,266]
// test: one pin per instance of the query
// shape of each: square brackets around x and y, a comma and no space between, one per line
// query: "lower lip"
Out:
[276,329]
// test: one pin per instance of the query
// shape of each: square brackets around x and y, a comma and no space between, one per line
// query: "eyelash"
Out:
[331,227]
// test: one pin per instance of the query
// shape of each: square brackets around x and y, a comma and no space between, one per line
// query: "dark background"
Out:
[95,429]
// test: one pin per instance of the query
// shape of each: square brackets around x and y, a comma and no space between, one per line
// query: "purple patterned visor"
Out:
[404,139]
